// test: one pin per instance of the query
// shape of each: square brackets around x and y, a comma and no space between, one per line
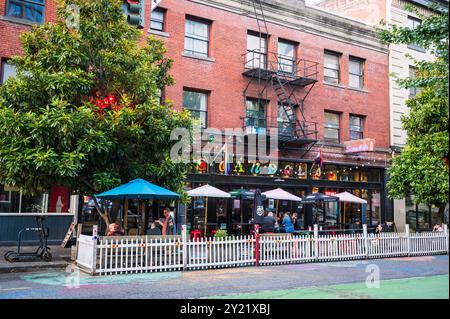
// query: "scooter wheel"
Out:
[47,256]
[9,256]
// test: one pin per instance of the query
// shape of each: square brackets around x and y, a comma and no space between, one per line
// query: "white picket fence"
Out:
[123,255]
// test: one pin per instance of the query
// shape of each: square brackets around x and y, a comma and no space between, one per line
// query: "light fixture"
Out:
[279,180]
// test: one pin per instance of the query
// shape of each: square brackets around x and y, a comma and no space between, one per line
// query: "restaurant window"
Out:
[255,120]
[331,127]
[197,104]
[356,127]
[32,10]
[356,73]
[413,91]
[287,57]
[158,19]
[8,70]
[9,199]
[412,24]
[256,51]
[332,68]
[197,37]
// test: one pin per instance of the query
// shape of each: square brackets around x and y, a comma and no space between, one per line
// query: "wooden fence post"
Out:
[366,240]
[316,241]
[184,244]
[408,239]
[446,237]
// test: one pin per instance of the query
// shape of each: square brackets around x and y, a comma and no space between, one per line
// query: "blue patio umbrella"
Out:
[139,189]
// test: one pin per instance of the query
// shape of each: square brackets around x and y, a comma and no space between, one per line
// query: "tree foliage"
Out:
[421,168]
[55,126]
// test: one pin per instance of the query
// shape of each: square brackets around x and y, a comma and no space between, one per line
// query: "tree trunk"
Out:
[104,215]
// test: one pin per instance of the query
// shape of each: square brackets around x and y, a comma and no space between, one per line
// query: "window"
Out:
[256,51]
[197,38]
[32,10]
[197,104]
[332,68]
[287,57]
[412,24]
[285,125]
[356,73]
[255,121]
[331,127]
[356,127]
[413,91]
[157,20]
[8,70]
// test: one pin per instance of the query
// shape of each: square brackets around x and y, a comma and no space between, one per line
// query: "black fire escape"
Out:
[291,79]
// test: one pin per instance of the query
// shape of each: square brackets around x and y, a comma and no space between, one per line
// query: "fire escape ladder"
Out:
[289,105]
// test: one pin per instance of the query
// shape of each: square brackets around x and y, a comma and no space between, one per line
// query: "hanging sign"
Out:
[358,146]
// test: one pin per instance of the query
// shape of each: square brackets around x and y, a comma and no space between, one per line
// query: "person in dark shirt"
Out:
[154,230]
[269,223]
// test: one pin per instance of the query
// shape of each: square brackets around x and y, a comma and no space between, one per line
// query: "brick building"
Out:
[394,12]
[338,75]
[348,99]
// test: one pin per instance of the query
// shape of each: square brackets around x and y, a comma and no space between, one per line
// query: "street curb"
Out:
[17,268]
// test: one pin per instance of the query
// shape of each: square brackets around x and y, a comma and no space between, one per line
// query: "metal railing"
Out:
[273,62]
[286,129]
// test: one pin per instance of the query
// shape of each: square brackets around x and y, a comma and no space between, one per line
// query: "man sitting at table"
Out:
[269,223]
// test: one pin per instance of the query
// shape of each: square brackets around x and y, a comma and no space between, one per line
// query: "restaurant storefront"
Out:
[298,178]
[18,211]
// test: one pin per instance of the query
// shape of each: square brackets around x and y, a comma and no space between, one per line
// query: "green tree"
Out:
[421,168]
[84,109]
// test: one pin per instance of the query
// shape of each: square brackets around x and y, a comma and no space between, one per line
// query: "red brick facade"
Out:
[222,77]
[224,80]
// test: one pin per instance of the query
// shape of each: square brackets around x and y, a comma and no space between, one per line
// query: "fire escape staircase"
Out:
[297,131]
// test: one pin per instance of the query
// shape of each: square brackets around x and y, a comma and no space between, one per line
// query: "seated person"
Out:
[269,223]
[154,230]
[114,229]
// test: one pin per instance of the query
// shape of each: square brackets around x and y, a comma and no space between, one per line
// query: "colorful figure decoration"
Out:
[288,171]
[201,167]
[239,168]
[256,168]
[302,170]
[272,169]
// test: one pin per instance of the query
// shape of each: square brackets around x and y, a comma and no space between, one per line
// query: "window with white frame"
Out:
[256,51]
[196,37]
[197,104]
[256,118]
[158,20]
[8,70]
[356,127]
[356,73]
[332,67]
[331,127]
[287,56]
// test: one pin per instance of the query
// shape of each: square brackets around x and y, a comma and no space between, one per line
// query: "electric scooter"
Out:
[43,251]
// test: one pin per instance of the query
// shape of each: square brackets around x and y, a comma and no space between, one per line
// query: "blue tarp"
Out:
[139,189]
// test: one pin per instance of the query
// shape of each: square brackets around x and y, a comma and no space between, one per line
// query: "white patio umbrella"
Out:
[280,194]
[207,191]
[347,197]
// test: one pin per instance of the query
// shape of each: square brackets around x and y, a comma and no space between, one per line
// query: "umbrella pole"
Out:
[278,202]
[345,206]
[242,218]
[125,216]
[206,214]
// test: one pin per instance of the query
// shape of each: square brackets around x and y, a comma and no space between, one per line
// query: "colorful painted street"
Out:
[416,277]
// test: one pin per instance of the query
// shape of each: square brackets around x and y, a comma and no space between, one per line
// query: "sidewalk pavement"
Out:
[61,259]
